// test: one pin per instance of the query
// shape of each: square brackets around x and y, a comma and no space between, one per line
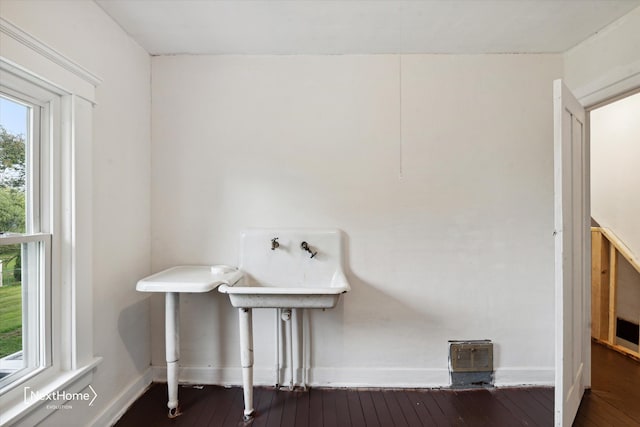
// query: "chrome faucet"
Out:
[305,246]
[274,244]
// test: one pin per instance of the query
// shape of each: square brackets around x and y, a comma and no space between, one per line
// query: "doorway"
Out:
[573,236]
[615,207]
[614,133]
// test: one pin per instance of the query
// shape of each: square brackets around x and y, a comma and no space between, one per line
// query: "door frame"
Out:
[609,86]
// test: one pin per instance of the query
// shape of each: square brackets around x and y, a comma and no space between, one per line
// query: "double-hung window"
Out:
[25,239]
[46,297]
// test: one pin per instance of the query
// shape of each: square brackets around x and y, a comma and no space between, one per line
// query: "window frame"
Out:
[36,297]
[39,194]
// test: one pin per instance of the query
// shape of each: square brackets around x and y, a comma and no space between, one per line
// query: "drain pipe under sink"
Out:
[286,317]
[306,350]
[278,340]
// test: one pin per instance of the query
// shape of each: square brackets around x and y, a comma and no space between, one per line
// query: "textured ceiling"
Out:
[353,26]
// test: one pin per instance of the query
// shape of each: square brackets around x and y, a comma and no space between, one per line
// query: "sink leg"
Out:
[172,343]
[246,359]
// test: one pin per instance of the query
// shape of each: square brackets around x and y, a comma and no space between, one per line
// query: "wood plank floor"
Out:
[218,406]
[613,401]
[614,398]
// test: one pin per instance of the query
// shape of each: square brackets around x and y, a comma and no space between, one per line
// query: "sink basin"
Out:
[252,294]
[287,275]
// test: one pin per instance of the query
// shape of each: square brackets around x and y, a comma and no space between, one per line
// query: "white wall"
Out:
[615,177]
[121,167]
[615,180]
[459,246]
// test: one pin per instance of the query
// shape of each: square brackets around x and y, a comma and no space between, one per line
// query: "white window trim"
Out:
[70,90]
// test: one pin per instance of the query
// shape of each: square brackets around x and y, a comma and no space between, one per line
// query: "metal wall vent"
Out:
[471,363]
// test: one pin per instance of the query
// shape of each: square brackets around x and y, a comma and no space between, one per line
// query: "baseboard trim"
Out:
[379,377]
[215,376]
[356,377]
[121,403]
[514,377]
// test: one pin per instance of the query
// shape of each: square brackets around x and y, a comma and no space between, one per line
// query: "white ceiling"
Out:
[354,26]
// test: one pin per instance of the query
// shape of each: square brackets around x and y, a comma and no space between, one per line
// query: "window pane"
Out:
[14,131]
[22,285]
[11,310]
[21,296]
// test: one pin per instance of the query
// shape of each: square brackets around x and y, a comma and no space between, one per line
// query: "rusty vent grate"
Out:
[471,363]
[471,356]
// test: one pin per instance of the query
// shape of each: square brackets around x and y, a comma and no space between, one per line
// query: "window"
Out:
[48,225]
[24,242]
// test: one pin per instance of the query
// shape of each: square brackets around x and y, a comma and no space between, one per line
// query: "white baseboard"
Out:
[379,377]
[513,377]
[356,377]
[215,376]
[119,405]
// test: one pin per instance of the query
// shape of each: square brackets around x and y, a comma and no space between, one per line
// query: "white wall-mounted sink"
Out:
[288,276]
[283,268]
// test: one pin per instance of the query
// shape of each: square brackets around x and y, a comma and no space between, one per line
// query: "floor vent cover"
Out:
[471,363]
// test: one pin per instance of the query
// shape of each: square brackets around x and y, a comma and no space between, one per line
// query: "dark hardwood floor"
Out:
[614,398]
[221,407]
[613,401]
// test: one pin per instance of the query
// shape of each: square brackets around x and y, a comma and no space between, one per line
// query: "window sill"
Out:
[28,410]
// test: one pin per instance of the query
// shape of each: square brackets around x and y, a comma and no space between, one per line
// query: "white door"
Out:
[572,253]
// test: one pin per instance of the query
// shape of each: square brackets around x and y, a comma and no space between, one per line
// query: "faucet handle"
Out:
[305,246]
[274,244]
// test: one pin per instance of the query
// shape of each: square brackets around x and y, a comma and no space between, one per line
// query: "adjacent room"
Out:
[319,212]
